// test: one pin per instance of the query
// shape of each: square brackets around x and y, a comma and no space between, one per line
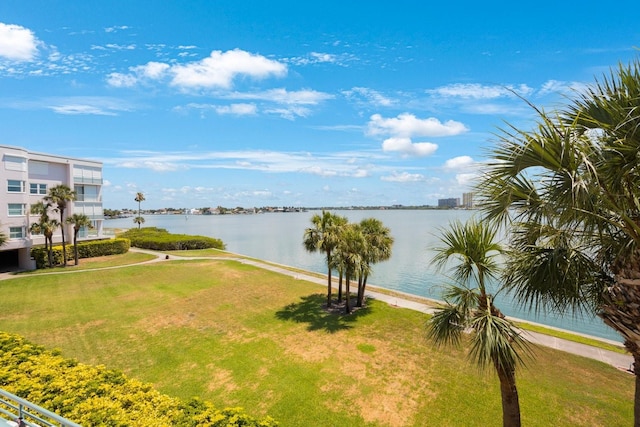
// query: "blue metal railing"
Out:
[17,409]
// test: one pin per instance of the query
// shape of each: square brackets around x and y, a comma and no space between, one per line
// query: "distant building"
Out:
[26,178]
[467,200]
[448,203]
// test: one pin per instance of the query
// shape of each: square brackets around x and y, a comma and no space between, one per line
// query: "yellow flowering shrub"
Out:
[97,396]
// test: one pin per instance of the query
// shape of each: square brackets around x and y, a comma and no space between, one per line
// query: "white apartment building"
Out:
[25,178]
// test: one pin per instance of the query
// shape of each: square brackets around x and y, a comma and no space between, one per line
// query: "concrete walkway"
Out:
[621,361]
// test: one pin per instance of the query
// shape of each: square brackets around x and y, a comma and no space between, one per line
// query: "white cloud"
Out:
[121,80]
[403,177]
[87,105]
[217,71]
[560,87]
[221,68]
[370,96]
[403,128]
[115,28]
[407,125]
[283,96]
[478,91]
[289,113]
[237,109]
[17,43]
[406,147]
[75,109]
[152,70]
[322,58]
[458,163]
[120,46]
[466,179]
[325,165]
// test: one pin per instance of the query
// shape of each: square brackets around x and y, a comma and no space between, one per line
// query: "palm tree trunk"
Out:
[510,401]
[329,278]
[636,371]
[361,294]
[360,291]
[347,291]
[75,246]
[621,311]
[47,248]
[329,287]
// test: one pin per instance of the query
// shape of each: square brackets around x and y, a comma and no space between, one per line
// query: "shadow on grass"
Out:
[312,309]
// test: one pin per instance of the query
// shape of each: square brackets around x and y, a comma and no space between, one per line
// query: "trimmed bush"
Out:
[159,239]
[94,395]
[89,249]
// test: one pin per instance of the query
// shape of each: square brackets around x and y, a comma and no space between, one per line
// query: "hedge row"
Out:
[90,249]
[159,239]
[94,395]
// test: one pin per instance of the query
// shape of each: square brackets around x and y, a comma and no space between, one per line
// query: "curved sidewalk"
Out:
[618,360]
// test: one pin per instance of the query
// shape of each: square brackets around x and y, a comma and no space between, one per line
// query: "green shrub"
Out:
[159,239]
[89,249]
[94,395]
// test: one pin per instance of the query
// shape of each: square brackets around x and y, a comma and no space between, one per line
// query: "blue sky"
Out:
[291,103]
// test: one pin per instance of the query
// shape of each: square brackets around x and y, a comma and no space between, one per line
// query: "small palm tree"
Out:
[470,308]
[79,221]
[45,226]
[59,196]
[324,237]
[139,198]
[349,257]
[138,220]
[378,249]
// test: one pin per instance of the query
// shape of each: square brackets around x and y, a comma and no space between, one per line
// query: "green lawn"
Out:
[240,336]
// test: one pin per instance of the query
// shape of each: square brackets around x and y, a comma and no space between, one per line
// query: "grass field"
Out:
[240,336]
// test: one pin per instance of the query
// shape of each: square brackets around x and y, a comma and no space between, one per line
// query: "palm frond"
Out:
[496,342]
[446,326]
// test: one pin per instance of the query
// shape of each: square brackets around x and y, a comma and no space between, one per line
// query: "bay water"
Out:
[277,237]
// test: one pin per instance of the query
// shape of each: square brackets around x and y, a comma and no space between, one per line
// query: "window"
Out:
[38,189]
[13,163]
[15,186]
[86,193]
[17,209]
[16,232]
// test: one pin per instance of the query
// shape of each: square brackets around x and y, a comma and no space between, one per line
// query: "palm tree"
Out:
[349,257]
[570,189]
[138,220]
[378,249]
[470,307]
[139,198]
[45,226]
[60,196]
[78,221]
[323,237]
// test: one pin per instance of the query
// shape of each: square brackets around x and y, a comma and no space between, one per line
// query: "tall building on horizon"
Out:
[27,177]
[448,203]
[467,200]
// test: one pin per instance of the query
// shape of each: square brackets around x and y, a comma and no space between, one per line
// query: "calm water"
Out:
[277,237]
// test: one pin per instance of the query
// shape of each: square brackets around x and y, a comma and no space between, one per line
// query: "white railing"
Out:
[24,413]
